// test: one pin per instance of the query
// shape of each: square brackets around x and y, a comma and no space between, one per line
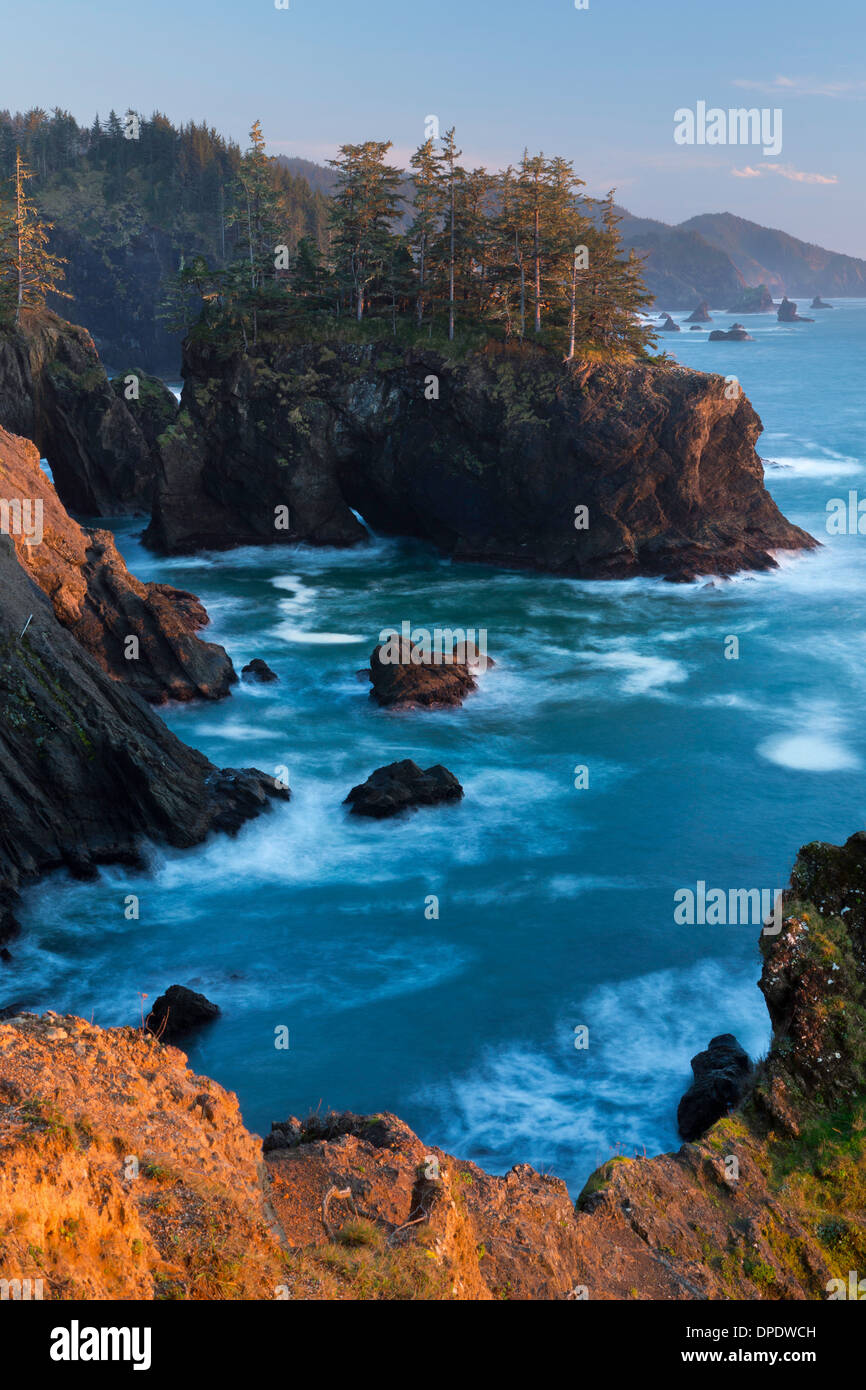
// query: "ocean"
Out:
[554,905]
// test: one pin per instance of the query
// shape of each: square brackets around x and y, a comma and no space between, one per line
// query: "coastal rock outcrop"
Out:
[87,769]
[403,786]
[178,1012]
[701,314]
[406,677]
[735,334]
[258,670]
[600,470]
[55,392]
[149,401]
[720,1076]
[142,634]
[755,299]
[819,303]
[667,325]
[787,313]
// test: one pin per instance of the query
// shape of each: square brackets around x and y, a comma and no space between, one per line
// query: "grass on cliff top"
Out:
[361,1265]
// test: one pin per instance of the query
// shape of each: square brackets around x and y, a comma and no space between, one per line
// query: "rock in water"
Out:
[787,313]
[755,299]
[258,670]
[594,470]
[819,303]
[178,1012]
[402,787]
[720,1076]
[701,314]
[410,683]
[667,325]
[736,334]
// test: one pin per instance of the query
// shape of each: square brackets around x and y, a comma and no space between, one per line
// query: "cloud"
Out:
[803,87]
[784,171]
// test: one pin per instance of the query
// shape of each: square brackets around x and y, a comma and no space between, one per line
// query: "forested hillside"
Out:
[129,201]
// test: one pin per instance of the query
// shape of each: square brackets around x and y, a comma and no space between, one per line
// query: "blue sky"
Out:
[599,86]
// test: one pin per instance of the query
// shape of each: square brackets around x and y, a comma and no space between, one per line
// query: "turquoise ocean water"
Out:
[555,904]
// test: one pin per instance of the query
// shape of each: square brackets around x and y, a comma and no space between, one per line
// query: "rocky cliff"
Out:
[142,634]
[86,768]
[124,1175]
[55,392]
[511,458]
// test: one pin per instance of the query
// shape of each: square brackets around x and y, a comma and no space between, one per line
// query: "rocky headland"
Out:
[514,459]
[87,769]
[55,392]
[125,1175]
[142,634]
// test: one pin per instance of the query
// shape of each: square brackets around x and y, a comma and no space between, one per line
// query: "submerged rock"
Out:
[736,334]
[402,787]
[258,670]
[720,1076]
[179,1011]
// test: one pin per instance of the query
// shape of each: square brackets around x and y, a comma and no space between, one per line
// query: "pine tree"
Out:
[424,228]
[450,175]
[364,206]
[34,271]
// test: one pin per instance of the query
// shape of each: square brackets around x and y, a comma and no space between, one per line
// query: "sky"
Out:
[598,85]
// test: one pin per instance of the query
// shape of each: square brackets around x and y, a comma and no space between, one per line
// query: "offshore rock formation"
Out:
[604,470]
[667,325]
[101,603]
[788,313]
[87,770]
[54,391]
[403,786]
[178,1012]
[418,681]
[819,303]
[755,299]
[768,1205]
[720,1076]
[735,334]
[701,314]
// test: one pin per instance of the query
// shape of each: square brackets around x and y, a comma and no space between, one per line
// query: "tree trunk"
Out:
[451,268]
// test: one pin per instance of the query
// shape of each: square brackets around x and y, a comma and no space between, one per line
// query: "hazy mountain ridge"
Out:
[710,256]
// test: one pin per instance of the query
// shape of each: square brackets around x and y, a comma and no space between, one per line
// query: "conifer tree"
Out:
[426,223]
[365,204]
[34,271]
[450,175]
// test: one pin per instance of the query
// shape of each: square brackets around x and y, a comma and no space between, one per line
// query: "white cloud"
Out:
[803,87]
[784,171]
